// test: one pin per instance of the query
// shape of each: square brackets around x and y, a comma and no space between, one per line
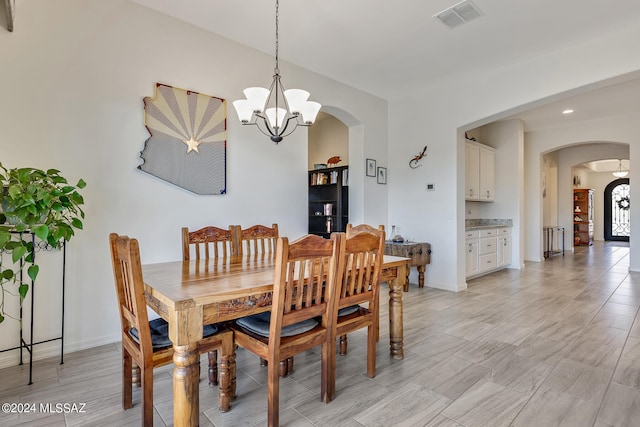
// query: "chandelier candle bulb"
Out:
[256,98]
[296,98]
[309,112]
[244,110]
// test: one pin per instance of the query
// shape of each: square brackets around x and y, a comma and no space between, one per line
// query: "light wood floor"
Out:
[557,343]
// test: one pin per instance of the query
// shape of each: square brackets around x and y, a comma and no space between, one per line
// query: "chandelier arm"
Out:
[265,124]
[284,128]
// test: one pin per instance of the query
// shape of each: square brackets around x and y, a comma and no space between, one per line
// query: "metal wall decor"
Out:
[188,143]
[414,163]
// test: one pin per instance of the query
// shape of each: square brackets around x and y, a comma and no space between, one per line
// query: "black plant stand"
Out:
[28,345]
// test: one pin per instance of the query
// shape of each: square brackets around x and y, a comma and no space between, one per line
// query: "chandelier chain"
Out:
[277,69]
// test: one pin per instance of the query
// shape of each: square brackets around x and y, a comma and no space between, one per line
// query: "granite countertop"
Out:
[478,224]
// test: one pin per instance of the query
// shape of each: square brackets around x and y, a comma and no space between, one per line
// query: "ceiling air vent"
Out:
[459,14]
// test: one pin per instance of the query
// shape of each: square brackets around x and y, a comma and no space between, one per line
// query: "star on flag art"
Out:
[188,142]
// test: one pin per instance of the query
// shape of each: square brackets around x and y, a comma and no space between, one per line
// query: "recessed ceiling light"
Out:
[567,112]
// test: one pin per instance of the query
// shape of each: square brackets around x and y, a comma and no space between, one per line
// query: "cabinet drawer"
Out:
[490,232]
[504,231]
[487,262]
[471,234]
[487,246]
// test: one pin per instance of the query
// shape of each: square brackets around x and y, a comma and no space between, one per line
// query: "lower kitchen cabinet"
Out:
[488,250]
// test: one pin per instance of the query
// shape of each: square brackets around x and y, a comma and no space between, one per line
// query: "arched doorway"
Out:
[616,210]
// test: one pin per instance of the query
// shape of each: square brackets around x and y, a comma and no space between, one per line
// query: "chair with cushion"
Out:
[302,313]
[147,342]
[258,240]
[205,243]
[359,284]
[208,242]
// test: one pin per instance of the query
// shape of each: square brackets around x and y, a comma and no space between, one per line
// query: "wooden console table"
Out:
[419,253]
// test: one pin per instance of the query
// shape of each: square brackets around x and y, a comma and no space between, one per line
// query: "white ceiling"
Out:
[388,48]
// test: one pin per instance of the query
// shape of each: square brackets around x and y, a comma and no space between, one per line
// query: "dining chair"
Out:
[350,230]
[257,240]
[359,284]
[260,240]
[147,342]
[209,242]
[304,291]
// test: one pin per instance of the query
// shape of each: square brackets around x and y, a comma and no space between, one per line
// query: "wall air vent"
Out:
[458,14]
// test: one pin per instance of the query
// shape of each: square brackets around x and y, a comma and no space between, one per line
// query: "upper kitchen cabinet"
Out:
[480,165]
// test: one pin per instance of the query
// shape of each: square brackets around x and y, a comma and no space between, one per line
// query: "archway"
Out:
[357,185]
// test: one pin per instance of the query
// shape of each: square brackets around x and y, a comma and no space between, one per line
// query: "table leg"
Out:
[405,287]
[421,270]
[395,313]
[186,377]
[226,381]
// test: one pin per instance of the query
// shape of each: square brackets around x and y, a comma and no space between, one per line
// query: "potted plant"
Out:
[39,202]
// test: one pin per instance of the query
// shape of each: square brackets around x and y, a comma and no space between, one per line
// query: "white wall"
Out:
[507,137]
[74,73]
[438,117]
[328,137]
[550,189]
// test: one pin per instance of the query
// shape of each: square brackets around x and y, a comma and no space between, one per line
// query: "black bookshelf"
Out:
[328,200]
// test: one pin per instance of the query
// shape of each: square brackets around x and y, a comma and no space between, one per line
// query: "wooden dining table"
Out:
[190,294]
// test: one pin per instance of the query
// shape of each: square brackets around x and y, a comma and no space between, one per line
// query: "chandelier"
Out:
[620,172]
[275,111]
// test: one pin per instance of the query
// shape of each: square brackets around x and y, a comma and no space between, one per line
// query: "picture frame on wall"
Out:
[382,175]
[371,167]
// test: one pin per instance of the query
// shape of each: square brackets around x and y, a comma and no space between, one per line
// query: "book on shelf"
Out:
[319,178]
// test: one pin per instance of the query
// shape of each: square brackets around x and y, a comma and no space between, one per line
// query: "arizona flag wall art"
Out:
[188,142]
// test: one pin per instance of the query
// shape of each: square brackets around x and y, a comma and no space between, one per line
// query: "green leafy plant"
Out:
[39,202]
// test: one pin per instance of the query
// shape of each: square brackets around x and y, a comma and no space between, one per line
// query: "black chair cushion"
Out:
[348,310]
[160,333]
[259,324]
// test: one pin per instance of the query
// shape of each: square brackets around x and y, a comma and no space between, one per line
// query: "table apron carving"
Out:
[238,307]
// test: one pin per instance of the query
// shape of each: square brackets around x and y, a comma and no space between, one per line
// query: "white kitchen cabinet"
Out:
[480,164]
[504,247]
[472,171]
[487,250]
[487,173]
[472,253]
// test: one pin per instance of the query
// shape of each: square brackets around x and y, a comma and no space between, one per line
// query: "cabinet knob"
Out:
[420,252]
[488,193]
[471,191]
[410,253]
